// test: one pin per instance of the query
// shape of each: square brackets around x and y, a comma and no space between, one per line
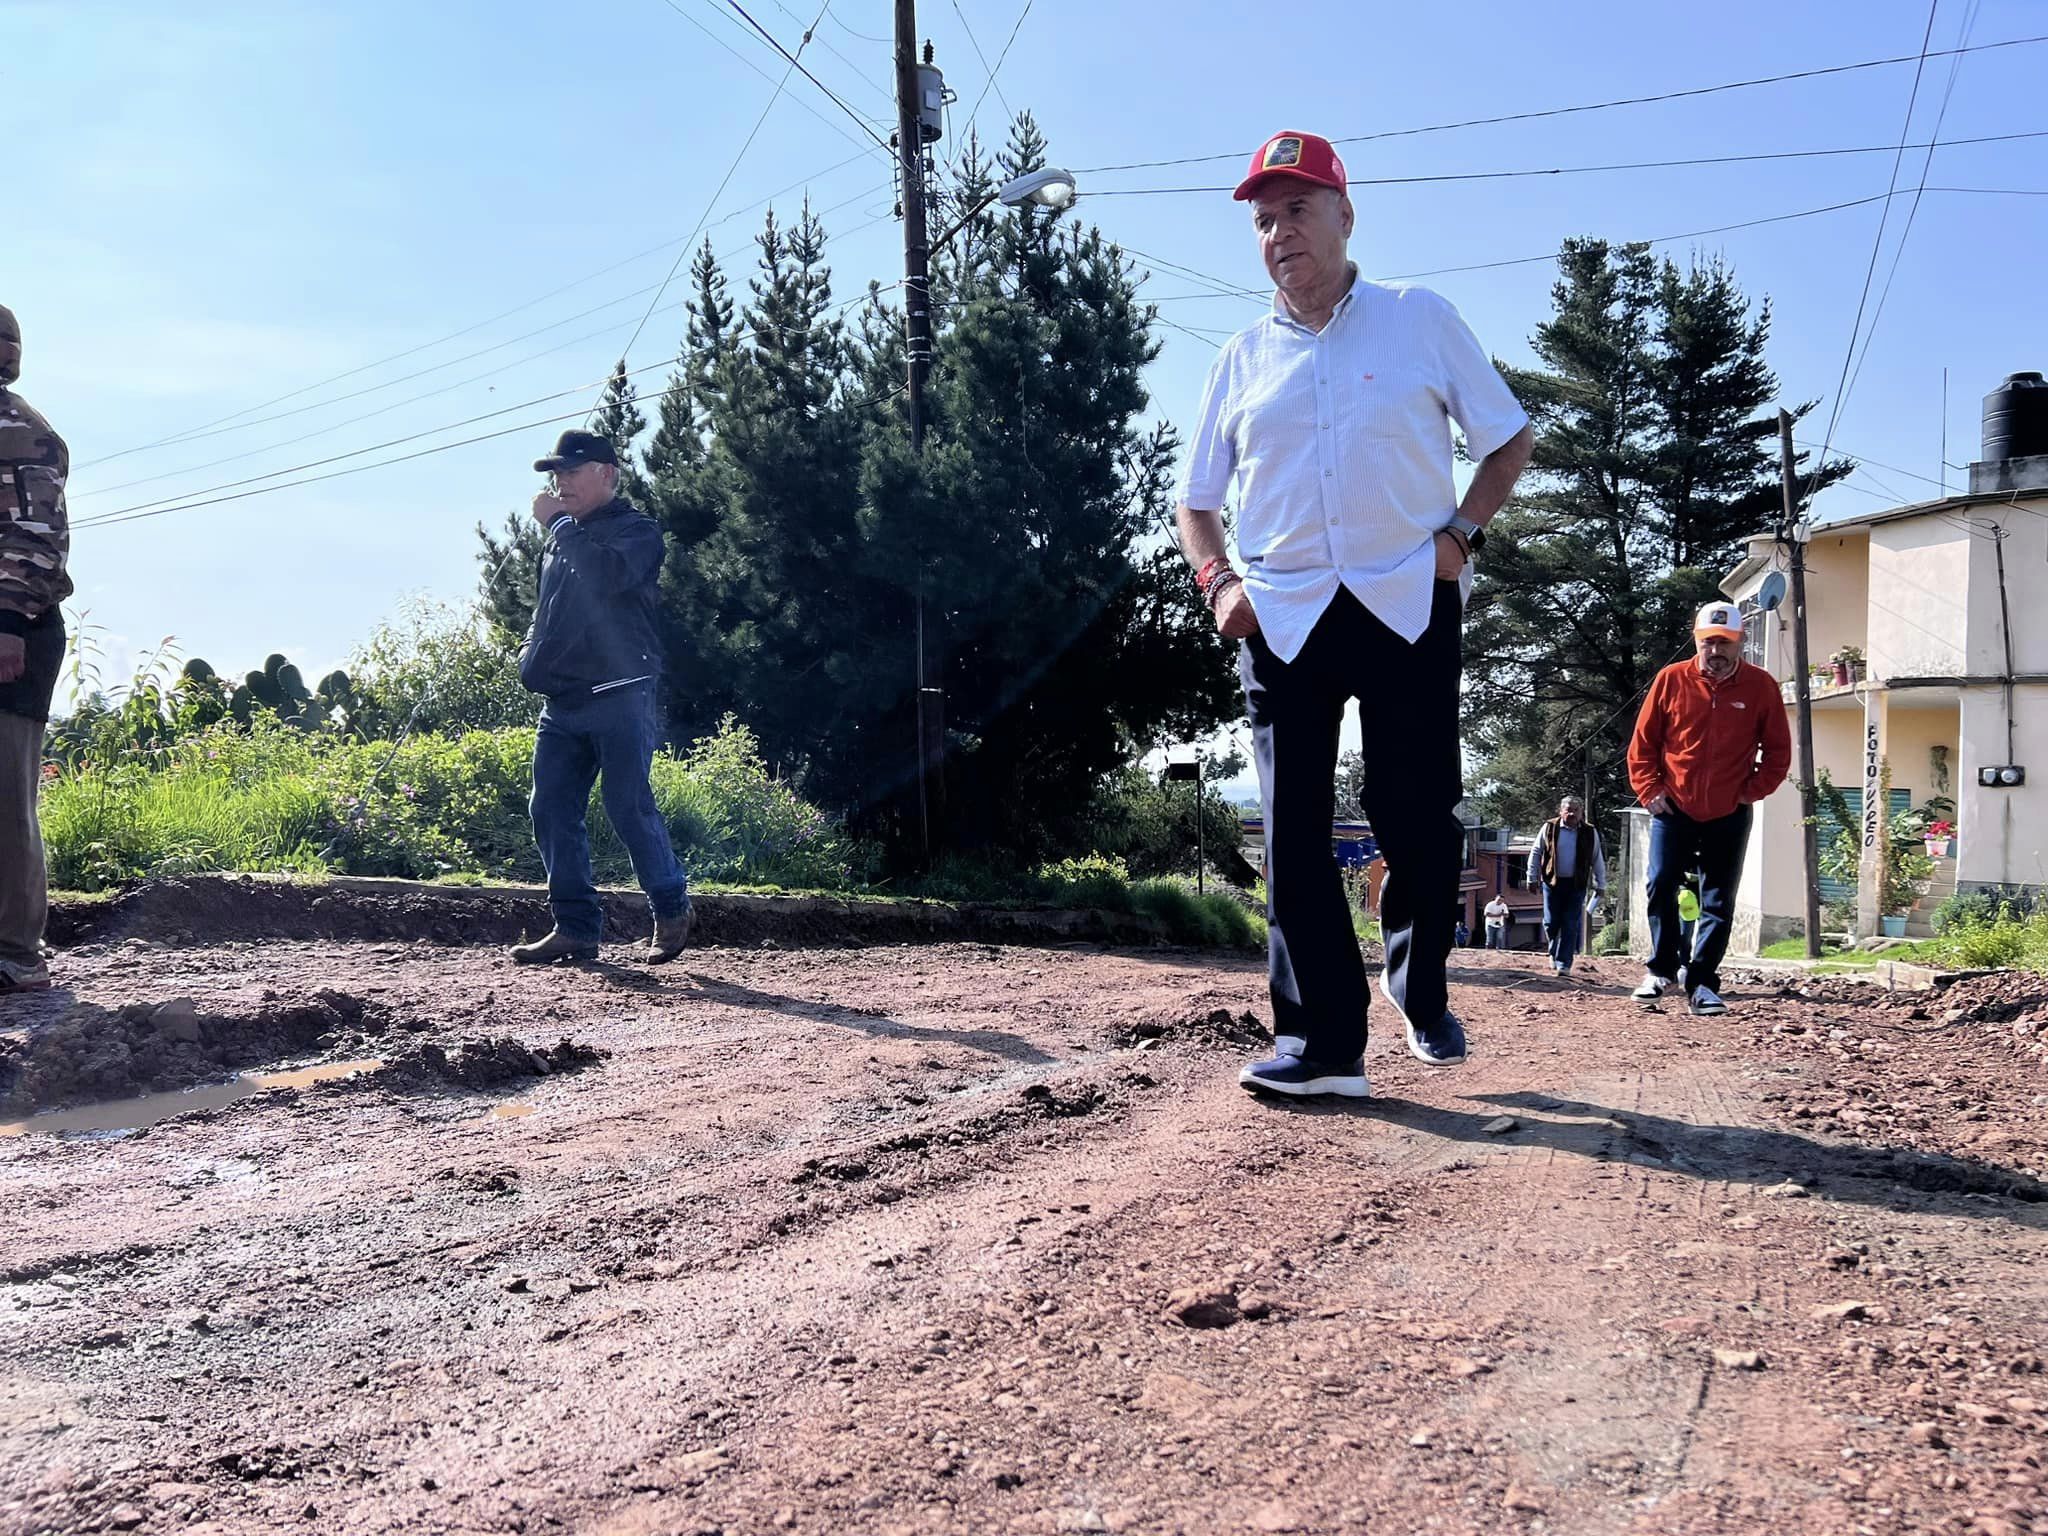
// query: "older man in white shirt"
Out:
[1332,416]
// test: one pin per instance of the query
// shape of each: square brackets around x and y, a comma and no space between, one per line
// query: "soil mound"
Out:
[483,1064]
[89,1053]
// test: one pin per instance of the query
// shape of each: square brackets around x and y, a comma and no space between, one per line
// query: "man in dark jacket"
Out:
[594,651]
[35,542]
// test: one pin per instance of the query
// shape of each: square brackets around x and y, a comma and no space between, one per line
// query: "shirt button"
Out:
[1328,472]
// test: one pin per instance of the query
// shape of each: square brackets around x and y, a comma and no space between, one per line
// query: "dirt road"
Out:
[959,1238]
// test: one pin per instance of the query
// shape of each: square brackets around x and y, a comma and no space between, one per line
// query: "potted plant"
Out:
[1848,664]
[1938,837]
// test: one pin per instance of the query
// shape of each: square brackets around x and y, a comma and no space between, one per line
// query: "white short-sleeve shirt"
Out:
[1339,442]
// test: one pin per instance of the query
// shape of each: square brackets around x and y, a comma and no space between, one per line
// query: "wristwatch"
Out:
[1474,535]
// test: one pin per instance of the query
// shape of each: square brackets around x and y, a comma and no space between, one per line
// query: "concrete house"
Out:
[1947,600]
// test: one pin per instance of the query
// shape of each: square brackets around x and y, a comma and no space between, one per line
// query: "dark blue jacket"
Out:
[597,619]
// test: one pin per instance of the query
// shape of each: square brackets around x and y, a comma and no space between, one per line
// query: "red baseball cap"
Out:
[1305,156]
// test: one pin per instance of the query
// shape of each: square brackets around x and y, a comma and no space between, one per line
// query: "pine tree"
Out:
[510,584]
[1655,458]
[619,420]
[1060,625]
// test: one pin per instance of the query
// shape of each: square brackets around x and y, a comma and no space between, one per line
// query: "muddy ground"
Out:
[961,1237]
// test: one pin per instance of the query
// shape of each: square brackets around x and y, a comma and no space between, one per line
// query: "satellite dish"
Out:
[1772,592]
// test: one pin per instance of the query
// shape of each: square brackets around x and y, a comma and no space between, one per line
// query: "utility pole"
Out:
[917,318]
[1802,685]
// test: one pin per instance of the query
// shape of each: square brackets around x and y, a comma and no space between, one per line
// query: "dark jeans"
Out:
[1678,844]
[1564,923]
[612,735]
[1409,717]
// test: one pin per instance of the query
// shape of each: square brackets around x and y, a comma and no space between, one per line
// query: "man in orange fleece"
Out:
[1710,742]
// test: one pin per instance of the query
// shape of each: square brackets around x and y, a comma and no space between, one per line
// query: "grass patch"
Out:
[1795,949]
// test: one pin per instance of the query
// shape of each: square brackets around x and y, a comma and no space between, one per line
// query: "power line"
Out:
[1586,170]
[204,499]
[975,110]
[476,378]
[830,95]
[683,249]
[1228,290]
[831,123]
[865,37]
[1876,245]
[975,43]
[206,428]
[1592,106]
[859,73]
[1913,209]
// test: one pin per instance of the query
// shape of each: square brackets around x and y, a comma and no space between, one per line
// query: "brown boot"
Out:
[670,935]
[557,946]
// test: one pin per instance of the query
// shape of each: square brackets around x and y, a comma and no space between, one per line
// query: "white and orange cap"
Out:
[1721,619]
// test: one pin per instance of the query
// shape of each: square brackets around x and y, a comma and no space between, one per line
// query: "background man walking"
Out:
[1497,922]
[594,650]
[35,543]
[1710,742]
[1566,864]
[1332,417]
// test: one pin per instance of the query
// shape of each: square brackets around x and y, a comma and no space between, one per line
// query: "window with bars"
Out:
[1754,622]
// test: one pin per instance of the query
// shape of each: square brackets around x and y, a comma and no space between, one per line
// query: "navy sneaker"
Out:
[1301,1079]
[1441,1044]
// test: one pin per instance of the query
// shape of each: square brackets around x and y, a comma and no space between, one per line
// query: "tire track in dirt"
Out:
[745,1278]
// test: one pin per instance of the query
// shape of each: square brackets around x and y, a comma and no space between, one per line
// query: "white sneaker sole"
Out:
[1342,1086]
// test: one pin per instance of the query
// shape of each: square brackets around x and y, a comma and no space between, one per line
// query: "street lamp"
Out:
[1049,187]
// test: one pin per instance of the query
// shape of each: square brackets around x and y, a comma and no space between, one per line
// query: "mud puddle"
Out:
[123,1116]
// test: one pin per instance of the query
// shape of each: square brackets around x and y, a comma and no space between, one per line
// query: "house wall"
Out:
[1771,903]
[1915,732]
[2002,834]
[1920,598]
[1837,600]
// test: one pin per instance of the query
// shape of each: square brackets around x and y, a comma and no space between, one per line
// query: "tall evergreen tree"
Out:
[802,534]
[510,583]
[1656,456]
[1060,627]
[618,419]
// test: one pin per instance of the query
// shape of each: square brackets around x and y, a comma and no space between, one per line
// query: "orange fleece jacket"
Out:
[1713,747]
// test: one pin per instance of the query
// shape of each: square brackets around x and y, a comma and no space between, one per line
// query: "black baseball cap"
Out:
[574,447]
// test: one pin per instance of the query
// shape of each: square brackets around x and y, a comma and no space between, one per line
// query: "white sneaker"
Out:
[1706,1000]
[1650,988]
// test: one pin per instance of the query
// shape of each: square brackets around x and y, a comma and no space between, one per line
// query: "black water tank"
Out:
[2016,418]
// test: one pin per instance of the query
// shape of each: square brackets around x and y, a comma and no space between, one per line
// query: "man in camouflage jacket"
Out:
[35,539]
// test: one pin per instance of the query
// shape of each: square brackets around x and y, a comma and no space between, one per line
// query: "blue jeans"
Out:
[612,736]
[1678,845]
[1564,924]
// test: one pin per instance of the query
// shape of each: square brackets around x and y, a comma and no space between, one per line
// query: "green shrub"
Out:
[1612,940]
[220,801]
[1214,918]
[2007,939]
[1094,880]
[435,806]
[1984,906]
[1150,824]
[272,799]
[457,674]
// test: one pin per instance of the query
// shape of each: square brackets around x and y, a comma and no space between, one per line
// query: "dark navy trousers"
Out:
[1408,713]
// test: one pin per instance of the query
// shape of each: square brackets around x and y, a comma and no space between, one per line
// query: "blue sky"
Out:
[220,204]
